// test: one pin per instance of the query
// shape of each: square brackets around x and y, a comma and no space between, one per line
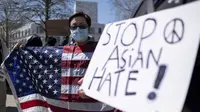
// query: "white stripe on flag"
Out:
[73,72]
[77,56]
[97,106]
[37,109]
[69,89]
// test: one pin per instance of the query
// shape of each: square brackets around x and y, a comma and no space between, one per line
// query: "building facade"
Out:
[3,47]
[55,28]
[90,8]
[23,33]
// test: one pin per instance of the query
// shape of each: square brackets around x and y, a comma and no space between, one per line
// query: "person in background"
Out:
[51,41]
[2,84]
[65,41]
[2,93]
[80,45]
[34,41]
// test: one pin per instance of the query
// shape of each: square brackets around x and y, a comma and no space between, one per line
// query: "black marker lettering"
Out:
[108,78]
[123,58]
[134,37]
[101,79]
[116,86]
[94,77]
[127,83]
[143,29]
[139,58]
[119,24]
[108,35]
[144,26]
[151,54]
[130,59]
[116,58]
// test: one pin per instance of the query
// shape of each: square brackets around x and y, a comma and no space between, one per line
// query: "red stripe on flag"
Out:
[70,80]
[34,103]
[75,63]
[76,98]
[79,49]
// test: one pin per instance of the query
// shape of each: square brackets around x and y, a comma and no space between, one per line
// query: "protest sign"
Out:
[145,64]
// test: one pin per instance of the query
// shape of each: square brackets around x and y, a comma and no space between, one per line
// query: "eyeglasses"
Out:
[80,26]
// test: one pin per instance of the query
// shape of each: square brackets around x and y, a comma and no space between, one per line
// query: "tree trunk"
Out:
[7,29]
[45,31]
[7,34]
[47,6]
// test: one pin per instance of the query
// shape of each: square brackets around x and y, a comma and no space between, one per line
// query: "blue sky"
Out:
[105,11]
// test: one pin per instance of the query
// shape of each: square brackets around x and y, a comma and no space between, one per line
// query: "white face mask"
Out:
[79,35]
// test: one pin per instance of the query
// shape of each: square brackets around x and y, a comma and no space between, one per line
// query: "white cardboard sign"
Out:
[145,64]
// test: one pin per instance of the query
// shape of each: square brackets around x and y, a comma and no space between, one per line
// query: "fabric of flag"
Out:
[45,79]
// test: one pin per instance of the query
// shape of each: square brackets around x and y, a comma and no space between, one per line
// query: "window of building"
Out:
[1,31]
[22,33]
[26,32]
[100,30]
[29,31]
[38,29]
[92,30]
[41,29]
[15,35]
[19,34]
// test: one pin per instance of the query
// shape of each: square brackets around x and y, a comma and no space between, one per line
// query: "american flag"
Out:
[44,79]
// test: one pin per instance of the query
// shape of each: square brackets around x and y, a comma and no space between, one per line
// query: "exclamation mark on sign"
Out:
[161,73]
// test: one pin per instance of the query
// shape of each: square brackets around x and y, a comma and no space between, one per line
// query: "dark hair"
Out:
[34,41]
[81,14]
[51,41]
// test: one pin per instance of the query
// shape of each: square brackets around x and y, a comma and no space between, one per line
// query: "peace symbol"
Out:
[174,31]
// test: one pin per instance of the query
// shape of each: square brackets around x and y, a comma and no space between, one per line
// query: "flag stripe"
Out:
[76,98]
[75,63]
[38,100]
[79,49]
[52,108]
[69,89]
[73,72]
[77,56]
[70,80]
[37,109]
[32,103]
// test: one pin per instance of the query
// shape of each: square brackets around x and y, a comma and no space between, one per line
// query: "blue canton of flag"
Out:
[31,72]
[36,70]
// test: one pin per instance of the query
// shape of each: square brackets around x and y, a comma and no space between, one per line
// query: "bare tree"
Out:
[44,10]
[124,8]
[10,18]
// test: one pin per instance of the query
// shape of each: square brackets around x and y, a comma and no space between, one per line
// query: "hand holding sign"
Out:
[146,61]
[81,93]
